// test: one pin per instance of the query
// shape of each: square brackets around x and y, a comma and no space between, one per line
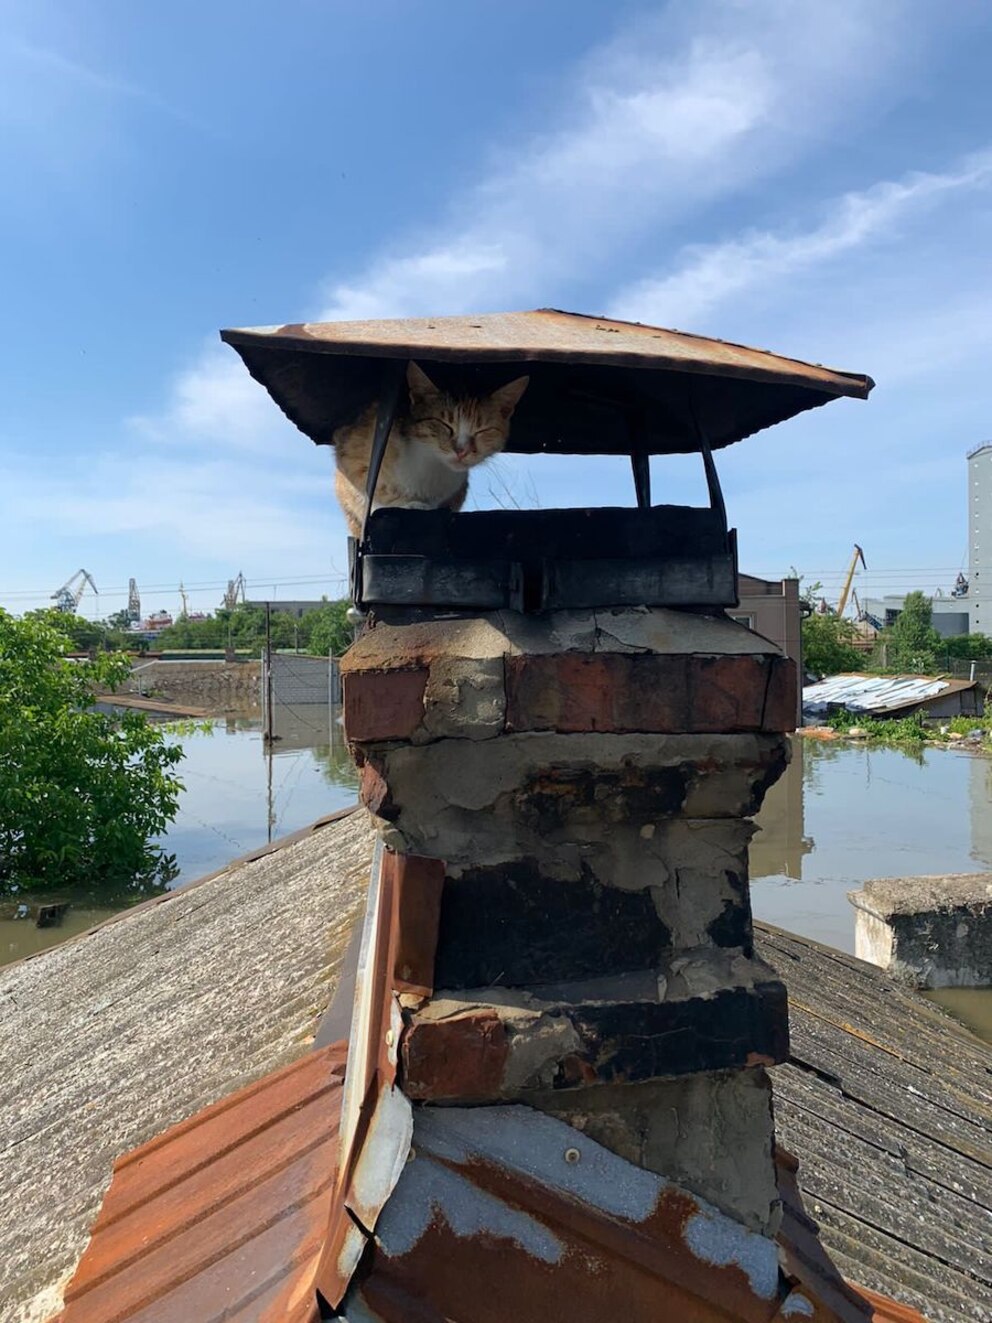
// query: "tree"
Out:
[82,793]
[828,644]
[330,631]
[912,643]
[968,647]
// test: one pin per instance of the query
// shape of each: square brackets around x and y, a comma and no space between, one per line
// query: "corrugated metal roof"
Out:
[224,1215]
[877,693]
[589,376]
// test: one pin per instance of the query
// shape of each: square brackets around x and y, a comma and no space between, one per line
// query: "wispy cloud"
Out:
[705,276]
[668,118]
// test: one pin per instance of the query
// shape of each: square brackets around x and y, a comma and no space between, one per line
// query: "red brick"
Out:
[727,694]
[576,692]
[372,789]
[782,698]
[383,705]
[663,694]
[460,1059]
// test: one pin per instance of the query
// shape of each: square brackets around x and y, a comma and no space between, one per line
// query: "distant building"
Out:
[288,608]
[979,598]
[950,614]
[771,608]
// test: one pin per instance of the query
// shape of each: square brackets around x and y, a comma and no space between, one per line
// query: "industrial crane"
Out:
[235,591]
[133,602]
[182,594]
[858,555]
[68,597]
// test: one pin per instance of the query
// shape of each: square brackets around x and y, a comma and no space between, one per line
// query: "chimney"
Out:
[588,779]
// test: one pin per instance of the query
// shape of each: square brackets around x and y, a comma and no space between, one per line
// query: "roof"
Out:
[589,376]
[878,693]
[884,1097]
[223,1216]
[886,1101]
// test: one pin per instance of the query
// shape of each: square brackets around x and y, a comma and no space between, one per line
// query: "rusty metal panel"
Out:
[222,1216]
[397,952]
[550,335]
[506,1213]
[589,377]
[503,1212]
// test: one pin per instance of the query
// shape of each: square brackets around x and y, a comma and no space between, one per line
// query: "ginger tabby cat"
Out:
[431,448]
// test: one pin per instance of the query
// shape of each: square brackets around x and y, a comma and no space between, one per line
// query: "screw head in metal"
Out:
[572,1155]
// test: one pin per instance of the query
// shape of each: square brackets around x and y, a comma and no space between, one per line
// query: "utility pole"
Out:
[267,733]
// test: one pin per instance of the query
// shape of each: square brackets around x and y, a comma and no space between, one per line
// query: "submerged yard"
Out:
[841,814]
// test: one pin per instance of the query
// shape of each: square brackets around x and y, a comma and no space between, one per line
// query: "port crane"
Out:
[235,591]
[68,597]
[848,582]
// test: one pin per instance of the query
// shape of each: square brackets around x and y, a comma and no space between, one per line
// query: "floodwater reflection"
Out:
[240,793]
[845,813]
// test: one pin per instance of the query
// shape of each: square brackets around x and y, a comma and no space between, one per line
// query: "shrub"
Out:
[82,793]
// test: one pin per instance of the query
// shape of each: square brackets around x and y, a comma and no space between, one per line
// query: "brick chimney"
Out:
[585,783]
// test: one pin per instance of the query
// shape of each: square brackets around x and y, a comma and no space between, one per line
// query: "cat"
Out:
[431,448]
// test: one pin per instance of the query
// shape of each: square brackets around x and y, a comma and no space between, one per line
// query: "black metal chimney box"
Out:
[597,386]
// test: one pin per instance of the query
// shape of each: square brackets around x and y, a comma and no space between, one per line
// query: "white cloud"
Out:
[215,400]
[707,276]
[674,114]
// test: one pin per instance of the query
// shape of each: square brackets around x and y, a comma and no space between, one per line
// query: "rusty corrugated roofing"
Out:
[223,1216]
[589,375]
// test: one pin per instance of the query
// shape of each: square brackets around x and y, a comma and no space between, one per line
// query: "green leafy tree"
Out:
[912,643]
[828,644]
[83,793]
[967,647]
[330,631]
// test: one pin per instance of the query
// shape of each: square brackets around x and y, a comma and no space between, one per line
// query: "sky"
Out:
[813,179]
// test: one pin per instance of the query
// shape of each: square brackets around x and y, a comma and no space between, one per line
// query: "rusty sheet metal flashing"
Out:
[597,386]
[507,1213]
[396,954]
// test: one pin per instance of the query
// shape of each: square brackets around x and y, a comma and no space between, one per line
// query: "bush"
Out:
[82,793]
[828,645]
[912,643]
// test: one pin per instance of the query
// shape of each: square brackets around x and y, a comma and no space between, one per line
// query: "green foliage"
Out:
[84,635]
[243,628]
[912,643]
[967,647]
[893,730]
[82,793]
[331,632]
[828,645]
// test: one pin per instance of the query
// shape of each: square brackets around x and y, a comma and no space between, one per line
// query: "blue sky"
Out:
[810,178]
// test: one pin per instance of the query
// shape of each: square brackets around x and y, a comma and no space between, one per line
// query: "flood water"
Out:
[841,814]
[845,813]
[237,798]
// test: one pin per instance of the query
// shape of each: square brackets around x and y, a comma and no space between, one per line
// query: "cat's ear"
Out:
[419,382]
[507,397]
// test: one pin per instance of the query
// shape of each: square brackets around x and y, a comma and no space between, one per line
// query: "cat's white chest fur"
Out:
[424,477]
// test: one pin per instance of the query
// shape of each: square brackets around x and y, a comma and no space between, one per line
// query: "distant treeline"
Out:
[322,631]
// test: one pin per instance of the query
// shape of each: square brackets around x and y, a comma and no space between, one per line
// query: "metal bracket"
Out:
[389,398]
[640,461]
[717,502]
